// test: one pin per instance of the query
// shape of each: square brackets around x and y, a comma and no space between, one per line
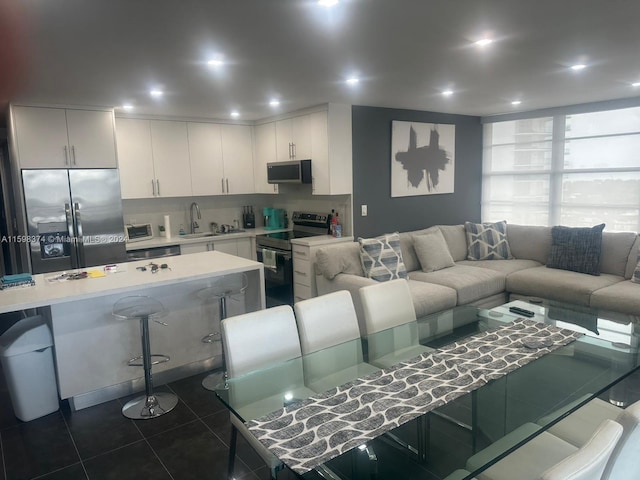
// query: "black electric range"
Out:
[304,225]
[274,251]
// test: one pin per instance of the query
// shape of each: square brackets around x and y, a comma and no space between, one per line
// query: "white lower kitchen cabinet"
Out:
[303,252]
[240,247]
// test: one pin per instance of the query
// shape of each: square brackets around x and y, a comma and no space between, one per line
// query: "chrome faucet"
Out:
[194,224]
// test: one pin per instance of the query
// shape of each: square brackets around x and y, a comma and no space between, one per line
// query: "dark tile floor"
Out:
[191,442]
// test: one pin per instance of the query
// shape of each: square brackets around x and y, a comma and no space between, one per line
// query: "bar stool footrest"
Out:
[160,359]
[211,337]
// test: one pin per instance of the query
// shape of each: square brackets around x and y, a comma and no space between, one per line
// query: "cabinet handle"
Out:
[222,182]
[290,150]
[275,188]
[153,187]
[300,273]
[158,184]
[73,155]
[300,252]
[294,150]
[227,185]
[66,155]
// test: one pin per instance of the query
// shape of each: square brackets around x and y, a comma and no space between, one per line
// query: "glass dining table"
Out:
[421,399]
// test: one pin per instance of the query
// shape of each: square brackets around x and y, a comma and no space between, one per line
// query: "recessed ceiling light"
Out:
[327,3]
[516,102]
[215,62]
[577,67]
[235,114]
[127,106]
[274,103]
[484,42]
[353,81]
[635,84]
[156,93]
[447,93]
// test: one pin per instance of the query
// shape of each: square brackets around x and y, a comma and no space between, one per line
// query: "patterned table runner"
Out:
[306,434]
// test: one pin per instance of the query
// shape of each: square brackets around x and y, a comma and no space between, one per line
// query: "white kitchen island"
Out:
[92,347]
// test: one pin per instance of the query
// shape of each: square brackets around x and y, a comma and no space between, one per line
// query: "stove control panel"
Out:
[310,218]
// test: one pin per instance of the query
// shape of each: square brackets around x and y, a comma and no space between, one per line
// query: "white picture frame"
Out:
[422,158]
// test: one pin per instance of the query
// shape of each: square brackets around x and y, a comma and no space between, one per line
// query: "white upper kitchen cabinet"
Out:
[64,138]
[205,154]
[331,158]
[170,146]
[137,178]
[264,152]
[293,138]
[237,155]
[154,158]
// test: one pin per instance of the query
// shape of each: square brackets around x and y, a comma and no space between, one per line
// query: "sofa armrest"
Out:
[351,283]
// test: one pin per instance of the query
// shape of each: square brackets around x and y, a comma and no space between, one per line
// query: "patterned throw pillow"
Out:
[576,249]
[635,278]
[382,258]
[487,241]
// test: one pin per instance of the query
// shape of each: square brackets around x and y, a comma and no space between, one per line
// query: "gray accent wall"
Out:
[372,174]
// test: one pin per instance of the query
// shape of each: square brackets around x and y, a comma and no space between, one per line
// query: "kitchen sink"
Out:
[199,235]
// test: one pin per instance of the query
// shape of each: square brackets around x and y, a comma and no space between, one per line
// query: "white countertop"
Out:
[180,240]
[319,240]
[184,268]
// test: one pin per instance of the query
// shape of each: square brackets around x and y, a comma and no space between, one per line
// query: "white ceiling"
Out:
[106,52]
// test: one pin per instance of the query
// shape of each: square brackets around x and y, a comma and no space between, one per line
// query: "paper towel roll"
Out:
[167,226]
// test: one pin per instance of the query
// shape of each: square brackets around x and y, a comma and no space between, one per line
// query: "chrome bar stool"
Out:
[229,287]
[149,405]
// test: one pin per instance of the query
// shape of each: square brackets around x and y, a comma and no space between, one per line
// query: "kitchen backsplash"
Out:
[226,209]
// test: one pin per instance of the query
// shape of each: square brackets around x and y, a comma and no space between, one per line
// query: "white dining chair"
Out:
[579,426]
[388,305]
[253,342]
[547,457]
[330,321]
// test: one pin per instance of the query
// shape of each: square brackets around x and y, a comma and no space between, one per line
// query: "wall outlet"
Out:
[364,210]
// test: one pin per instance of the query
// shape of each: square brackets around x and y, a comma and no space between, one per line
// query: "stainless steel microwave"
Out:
[295,171]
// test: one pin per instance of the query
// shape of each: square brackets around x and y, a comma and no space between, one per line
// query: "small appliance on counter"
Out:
[275,218]
[248,217]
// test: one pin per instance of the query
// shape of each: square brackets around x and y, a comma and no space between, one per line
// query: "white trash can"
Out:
[27,361]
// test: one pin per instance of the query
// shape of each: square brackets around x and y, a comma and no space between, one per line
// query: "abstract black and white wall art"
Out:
[422,158]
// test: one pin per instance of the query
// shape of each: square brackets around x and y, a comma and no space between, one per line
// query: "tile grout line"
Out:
[150,447]
[75,446]
[199,418]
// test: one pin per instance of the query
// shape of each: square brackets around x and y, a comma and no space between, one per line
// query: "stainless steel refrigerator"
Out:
[74,218]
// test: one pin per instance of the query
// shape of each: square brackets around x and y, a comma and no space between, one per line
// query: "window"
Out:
[575,170]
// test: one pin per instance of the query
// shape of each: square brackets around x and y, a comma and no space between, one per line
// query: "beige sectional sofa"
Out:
[489,283]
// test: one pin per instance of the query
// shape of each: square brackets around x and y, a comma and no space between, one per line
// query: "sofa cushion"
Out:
[616,248]
[409,256]
[530,242]
[634,258]
[561,285]
[382,258]
[456,239]
[430,298]
[432,251]
[341,258]
[503,266]
[470,283]
[487,241]
[623,297]
[576,249]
